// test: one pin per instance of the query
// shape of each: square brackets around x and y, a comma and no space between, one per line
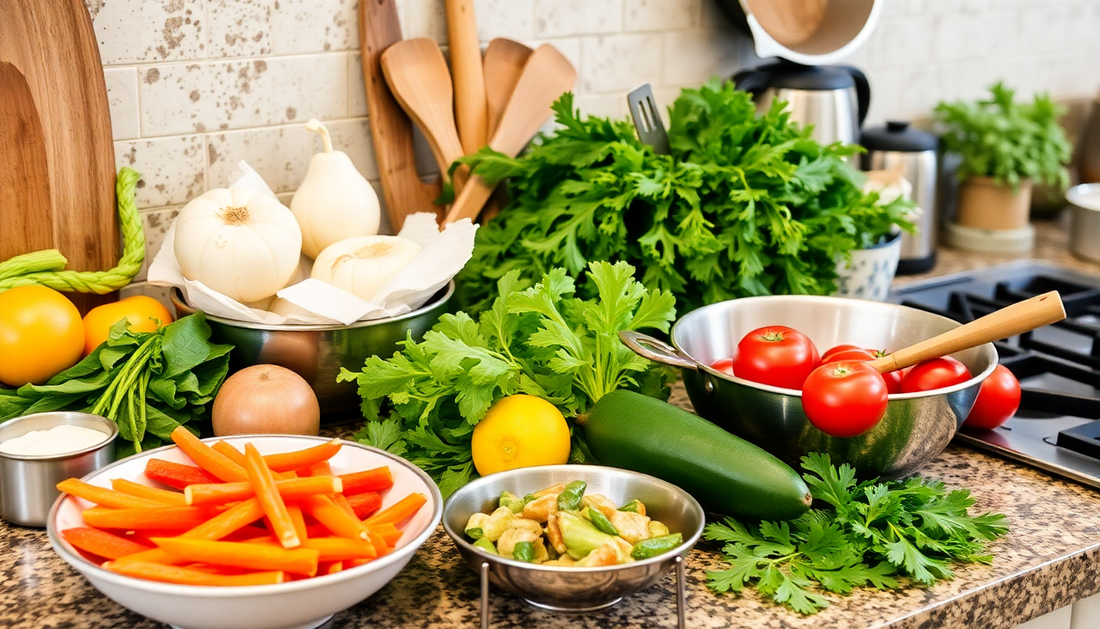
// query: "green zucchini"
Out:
[725,473]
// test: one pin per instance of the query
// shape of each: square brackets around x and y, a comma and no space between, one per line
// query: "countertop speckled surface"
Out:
[1049,560]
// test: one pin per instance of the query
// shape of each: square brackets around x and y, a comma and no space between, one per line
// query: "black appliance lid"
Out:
[810,78]
[898,136]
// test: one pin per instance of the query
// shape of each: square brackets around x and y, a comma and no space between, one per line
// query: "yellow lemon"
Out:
[520,431]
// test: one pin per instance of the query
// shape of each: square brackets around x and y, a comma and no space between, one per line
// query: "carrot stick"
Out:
[340,548]
[105,497]
[355,563]
[378,542]
[263,483]
[220,526]
[191,576]
[176,475]
[298,520]
[158,518]
[388,532]
[255,556]
[365,504]
[331,567]
[286,461]
[206,457]
[163,496]
[377,479]
[289,489]
[335,519]
[229,451]
[399,511]
[343,503]
[317,469]
[101,543]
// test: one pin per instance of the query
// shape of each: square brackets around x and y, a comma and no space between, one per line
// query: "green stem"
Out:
[132,370]
[135,437]
[108,395]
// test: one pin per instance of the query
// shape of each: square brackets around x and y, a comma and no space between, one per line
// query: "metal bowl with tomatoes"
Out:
[922,414]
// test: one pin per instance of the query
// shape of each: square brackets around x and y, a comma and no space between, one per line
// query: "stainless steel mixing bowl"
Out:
[317,352]
[575,589]
[916,427]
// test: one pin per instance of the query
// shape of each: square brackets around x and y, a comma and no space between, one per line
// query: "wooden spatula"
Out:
[469,79]
[547,75]
[504,61]
[417,74]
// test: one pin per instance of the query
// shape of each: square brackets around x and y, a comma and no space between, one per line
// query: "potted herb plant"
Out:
[1005,147]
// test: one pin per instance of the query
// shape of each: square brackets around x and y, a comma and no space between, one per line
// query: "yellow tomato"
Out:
[145,314]
[40,335]
[520,431]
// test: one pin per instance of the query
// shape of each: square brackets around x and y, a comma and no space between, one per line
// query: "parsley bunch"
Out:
[1008,141]
[745,204]
[876,535]
[539,340]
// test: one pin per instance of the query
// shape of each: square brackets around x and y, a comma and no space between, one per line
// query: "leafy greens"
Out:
[875,534]
[745,204]
[540,340]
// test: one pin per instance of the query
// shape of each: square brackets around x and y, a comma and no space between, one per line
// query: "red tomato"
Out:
[837,349]
[997,402]
[724,365]
[775,355]
[848,355]
[844,399]
[934,374]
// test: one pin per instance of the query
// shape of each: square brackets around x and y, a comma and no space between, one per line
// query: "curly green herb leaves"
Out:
[745,204]
[876,534]
[540,340]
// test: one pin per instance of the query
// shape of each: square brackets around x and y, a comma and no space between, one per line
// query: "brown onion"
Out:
[266,399]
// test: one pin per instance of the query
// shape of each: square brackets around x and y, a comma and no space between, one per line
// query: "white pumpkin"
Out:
[241,243]
[334,201]
[362,265]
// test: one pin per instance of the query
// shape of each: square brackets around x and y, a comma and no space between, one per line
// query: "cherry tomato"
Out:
[837,349]
[844,399]
[775,355]
[848,355]
[724,365]
[997,402]
[934,374]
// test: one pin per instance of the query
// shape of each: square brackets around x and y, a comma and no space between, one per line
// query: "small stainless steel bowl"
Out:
[916,427]
[1085,235]
[575,589]
[28,483]
[317,352]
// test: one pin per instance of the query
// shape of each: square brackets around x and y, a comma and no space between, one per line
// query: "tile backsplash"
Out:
[195,86]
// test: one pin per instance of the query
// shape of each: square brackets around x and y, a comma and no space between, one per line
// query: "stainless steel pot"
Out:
[317,352]
[1085,235]
[916,427]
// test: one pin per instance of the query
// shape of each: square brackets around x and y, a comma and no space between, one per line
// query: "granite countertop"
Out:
[1050,559]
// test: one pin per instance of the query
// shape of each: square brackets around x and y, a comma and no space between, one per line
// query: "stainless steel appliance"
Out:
[915,153]
[1056,428]
[834,99]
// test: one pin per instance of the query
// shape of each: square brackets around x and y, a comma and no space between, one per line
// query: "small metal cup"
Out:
[28,482]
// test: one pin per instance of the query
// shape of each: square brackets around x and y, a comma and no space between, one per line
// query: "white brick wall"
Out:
[196,85]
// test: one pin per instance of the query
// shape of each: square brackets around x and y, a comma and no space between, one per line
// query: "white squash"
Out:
[362,265]
[241,243]
[334,201]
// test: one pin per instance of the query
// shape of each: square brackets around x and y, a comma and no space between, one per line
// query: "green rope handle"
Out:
[46,268]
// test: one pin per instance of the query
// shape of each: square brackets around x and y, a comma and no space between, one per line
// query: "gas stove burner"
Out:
[1058,365]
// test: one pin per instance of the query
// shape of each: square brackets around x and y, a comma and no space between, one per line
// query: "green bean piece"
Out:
[654,546]
[524,551]
[631,507]
[483,543]
[570,497]
[475,533]
[601,522]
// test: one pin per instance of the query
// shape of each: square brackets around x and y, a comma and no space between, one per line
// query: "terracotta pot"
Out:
[985,204]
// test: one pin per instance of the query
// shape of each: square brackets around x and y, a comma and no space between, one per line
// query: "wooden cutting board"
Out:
[57,166]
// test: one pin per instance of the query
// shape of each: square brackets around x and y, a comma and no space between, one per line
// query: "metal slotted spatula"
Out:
[647,118]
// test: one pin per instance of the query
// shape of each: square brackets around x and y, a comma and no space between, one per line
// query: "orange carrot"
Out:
[340,548]
[378,542]
[289,489]
[317,469]
[331,567]
[158,518]
[206,457]
[176,475]
[101,543]
[191,576]
[355,563]
[105,497]
[220,526]
[286,461]
[163,496]
[388,532]
[377,479]
[272,503]
[398,512]
[229,451]
[298,520]
[343,503]
[335,519]
[255,556]
[365,504]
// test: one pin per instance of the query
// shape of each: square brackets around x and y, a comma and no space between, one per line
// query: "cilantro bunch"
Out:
[540,340]
[1008,141]
[745,204]
[877,534]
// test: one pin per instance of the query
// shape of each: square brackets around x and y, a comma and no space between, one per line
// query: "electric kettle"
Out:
[834,99]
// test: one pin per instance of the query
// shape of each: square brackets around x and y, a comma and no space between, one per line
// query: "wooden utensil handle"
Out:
[1009,321]
[470,201]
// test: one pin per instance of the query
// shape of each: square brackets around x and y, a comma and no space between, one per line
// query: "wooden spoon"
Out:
[420,81]
[469,78]
[547,75]
[504,61]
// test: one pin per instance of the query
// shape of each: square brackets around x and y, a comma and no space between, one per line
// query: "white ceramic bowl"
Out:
[294,605]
